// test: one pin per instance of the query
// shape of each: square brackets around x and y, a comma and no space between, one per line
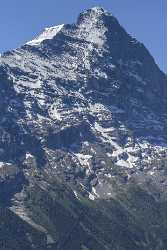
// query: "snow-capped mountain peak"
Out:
[88,95]
[96,11]
[94,15]
[83,117]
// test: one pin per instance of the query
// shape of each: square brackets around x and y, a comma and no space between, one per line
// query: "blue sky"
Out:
[146,20]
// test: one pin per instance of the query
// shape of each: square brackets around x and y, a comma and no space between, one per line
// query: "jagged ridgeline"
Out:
[83,141]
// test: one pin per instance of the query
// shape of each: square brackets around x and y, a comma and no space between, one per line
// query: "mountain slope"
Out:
[83,127]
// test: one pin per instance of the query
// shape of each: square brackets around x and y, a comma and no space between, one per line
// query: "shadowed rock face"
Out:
[11,182]
[83,141]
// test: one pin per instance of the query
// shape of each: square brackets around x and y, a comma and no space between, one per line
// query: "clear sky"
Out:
[21,20]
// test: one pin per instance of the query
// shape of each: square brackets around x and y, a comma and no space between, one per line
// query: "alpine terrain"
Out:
[83,141]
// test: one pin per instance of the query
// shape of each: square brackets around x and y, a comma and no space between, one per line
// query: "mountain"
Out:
[83,128]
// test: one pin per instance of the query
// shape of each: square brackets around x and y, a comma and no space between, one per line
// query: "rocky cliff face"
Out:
[83,117]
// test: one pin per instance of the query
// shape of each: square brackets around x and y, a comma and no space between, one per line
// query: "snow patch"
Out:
[76,194]
[83,159]
[48,33]
[54,114]
[92,197]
